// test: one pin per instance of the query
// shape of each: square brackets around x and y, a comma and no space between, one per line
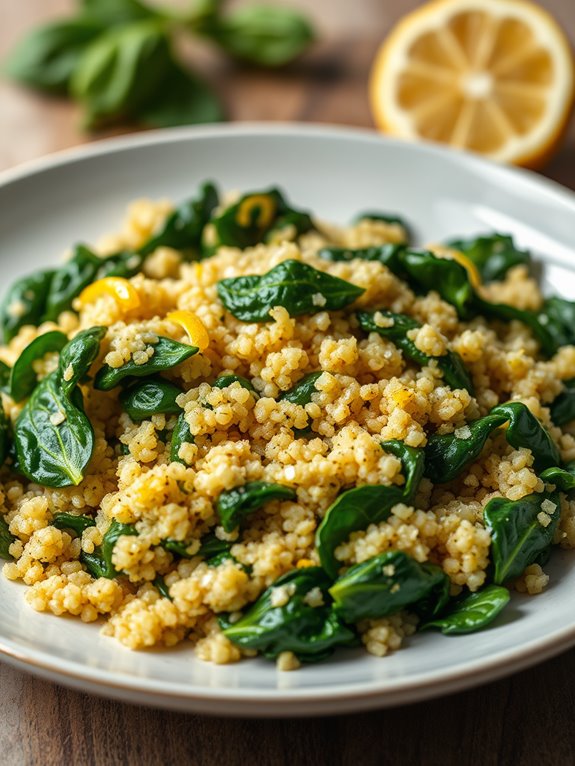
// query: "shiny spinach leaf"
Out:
[99,563]
[252,217]
[446,276]
[167,354]
[182,230]
[78,356]
[47,57]
[150,397]
[226,380]
[447,455]
[493,254]
[212,546]
[388,255]
[450,364]
[563,407]
[521,531]
[235,504]
[25,303]
[71,521]
[6,540]
[383,585]
[180,435]
[471,612]
[563,478]
[302,391]
[23,378]
[310,632]
[296,286]
[357,508]
[557,317]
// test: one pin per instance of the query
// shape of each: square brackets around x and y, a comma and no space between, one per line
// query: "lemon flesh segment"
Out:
[492,76]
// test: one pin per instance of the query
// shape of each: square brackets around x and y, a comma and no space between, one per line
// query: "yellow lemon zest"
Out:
[462,260]
[118,288]
[266,206]
[193,325]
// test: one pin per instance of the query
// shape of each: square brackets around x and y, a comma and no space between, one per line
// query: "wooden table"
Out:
[524,719]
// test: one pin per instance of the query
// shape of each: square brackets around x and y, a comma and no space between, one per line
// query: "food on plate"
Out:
[237,425]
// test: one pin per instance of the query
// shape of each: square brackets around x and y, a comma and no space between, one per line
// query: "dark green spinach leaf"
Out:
[23,379]
[226,380]
[563,406]
[150,397]
[235,504]
[296,286]
[518,537]
[167,354]
[180,435]
[78,356]
[493,254]
[99,563]
[6,540]
[71,521]
[563,478]
[471,612]
[310,632]
[25,303]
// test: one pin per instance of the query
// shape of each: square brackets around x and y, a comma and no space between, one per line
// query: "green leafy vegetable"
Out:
[563,478]
[53,438]
[357,508]
[521,531]
[471,612]
[388,255]
[183,229]
[383,585]
[226,380]
[23,379]
[447,455]
[5,436]
[180,435]
[310,632]
[160,584]
[70,521]
[5,373]
[296,286]
[450,364]
[235,504]
[99,563]
[266,35]
[24,303]
[563,407]
[151,397]
[212,546]
[117,11]
[493,254]
[302,392]
[6,540]
[49,55]
[167,354]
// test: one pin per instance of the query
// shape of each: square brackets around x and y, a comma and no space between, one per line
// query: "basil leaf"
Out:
[6,540]
[389,218]
[226,380]
[168,353]
[183,229]
[181,99]
[297,287]
[78,356]
[252,217]
[447,455]
[563,407]
[77,524]
[180,435]
[493,254]
[266,35]
[53,437]
[357,508]
[99,563]
[310,632]
[23,379]
[121,71]
[563,478]
[383,585]
[49,55]
[450,364]
[235,504]
[25,303]
[518,537]
[472,612]
[152,397]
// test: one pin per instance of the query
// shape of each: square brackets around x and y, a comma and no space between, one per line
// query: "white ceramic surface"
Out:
[48,205]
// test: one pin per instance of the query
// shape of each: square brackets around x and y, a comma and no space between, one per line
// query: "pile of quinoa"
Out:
[367,393]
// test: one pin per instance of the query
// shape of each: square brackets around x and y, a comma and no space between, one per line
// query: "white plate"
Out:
[78,195]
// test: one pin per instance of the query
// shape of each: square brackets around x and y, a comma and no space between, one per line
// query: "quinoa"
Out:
[367,392]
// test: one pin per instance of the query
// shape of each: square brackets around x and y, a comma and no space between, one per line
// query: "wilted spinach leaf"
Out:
[310,632]
[25,303]
[180,435]
[151,397]
[71,521]
[78,356]
[167,354]
[296,286]
[493,254]
[563,478]
[518,536]
[235,504]
[6,540]
[23,379]
[99,563]
[563,407]
[226,380]
[471,612]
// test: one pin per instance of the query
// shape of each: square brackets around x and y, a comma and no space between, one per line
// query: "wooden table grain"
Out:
[525,719]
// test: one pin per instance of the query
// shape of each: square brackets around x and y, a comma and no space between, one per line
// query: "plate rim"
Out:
[276,702]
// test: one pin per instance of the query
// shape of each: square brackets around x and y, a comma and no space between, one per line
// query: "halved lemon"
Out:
[491,76]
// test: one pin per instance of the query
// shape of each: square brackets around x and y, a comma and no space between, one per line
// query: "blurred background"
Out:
[327,83]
